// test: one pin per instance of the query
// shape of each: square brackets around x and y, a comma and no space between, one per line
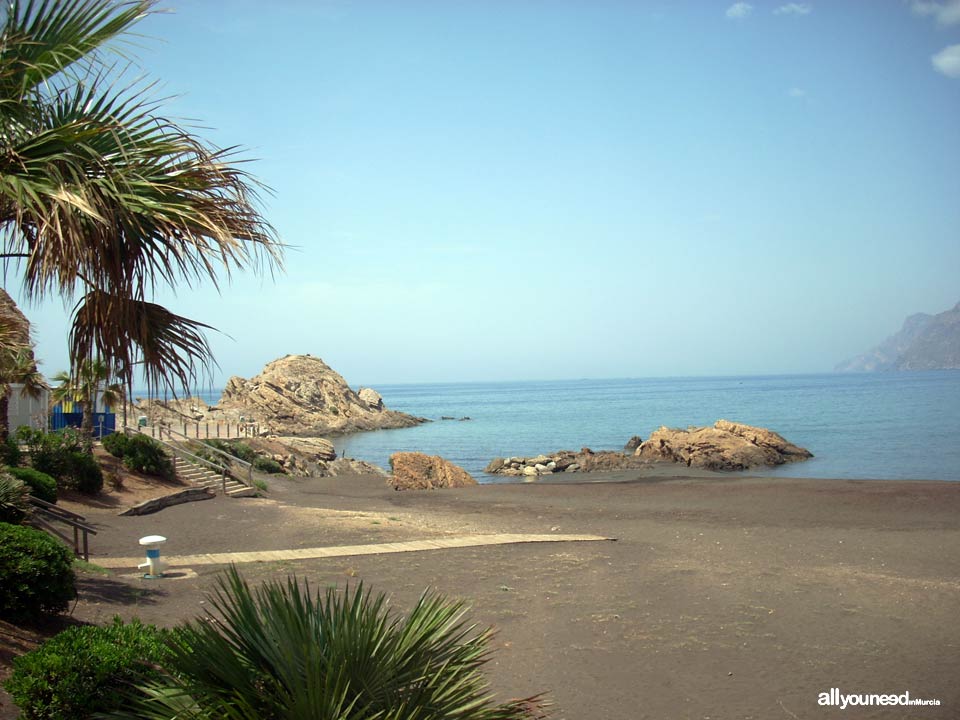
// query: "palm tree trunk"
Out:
[4,412]
[86,426]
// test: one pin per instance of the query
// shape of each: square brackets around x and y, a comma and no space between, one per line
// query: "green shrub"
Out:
[116,444]
[41,485]
[146,455]
[237,449]
[10,452]
[14,499]
[36,574]
[267,465]
[283,650]
[84,670]
[51,452]
[85,474]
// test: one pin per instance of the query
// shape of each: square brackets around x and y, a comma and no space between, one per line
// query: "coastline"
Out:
[723,596]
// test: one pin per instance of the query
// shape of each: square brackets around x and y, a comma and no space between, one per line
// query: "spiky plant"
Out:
[282,651]
[14,499]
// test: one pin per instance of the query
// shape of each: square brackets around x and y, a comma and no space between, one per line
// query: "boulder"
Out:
[494,465]
[312,449]
[725,446]
[372,398]
[633,443]
[417,471]
[302,395]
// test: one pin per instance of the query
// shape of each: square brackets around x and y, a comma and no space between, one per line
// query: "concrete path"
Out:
[439,543]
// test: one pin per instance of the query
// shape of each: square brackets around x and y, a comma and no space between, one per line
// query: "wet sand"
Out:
[722,596]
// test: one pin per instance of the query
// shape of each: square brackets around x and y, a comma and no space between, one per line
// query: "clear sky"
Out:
[523,189]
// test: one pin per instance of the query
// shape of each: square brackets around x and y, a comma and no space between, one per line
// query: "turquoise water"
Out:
[882,425]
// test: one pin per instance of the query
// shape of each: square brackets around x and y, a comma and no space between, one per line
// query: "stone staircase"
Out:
[200,476]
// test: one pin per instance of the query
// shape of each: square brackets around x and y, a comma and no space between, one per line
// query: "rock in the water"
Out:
[494,465]
[417,471]
[725,446]
[302,395]
[633,443]
[372,398]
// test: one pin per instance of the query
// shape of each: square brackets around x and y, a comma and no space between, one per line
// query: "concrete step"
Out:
[199,476]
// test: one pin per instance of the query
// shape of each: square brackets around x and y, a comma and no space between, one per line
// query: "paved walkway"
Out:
[439,543]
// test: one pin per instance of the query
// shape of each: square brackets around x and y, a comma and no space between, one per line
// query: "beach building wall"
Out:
[69,413]
[25,410]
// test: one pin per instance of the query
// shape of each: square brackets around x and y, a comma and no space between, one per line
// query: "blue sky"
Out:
[536,190]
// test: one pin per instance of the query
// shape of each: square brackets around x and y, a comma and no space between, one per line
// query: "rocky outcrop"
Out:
[417,471]
[310,457]
[633,443]
[564,461]
[725,446]
[302,395]
[372,398]
[925,342]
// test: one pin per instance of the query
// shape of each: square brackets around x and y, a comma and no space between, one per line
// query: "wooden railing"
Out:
[44,514]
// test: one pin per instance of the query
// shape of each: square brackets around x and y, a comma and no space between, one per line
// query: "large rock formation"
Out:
[416,471]
[725,446]
[302,395]
[925,342]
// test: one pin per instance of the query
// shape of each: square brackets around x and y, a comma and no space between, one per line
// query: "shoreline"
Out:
[730,597]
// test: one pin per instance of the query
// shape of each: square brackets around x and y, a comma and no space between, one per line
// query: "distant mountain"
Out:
[925,342]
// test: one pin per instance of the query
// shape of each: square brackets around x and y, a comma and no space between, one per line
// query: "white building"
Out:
[25,410]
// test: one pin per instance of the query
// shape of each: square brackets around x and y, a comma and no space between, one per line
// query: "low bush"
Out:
[36,574]
[51,452]
[41,485]
[14,499]
[267,465]
[239,450]
[145,455]
[85,670]
[116,444]
[10,452]
[84,473]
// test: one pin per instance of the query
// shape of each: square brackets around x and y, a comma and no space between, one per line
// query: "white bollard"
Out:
[154,564]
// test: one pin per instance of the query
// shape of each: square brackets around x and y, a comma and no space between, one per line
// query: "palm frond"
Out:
[44,38]
[282,651]
[101,195]
[170,350]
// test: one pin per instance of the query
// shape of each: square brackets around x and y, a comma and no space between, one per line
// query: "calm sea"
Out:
[902,425]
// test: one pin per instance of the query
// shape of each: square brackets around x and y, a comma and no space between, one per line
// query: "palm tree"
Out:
[17,364]
[86,384]
[102,199]
[281,652]
[17,367]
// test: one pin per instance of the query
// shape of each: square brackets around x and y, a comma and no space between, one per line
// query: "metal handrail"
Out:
[42,507]
[223,469]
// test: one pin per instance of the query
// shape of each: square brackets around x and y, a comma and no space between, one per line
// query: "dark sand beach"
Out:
[721,597]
